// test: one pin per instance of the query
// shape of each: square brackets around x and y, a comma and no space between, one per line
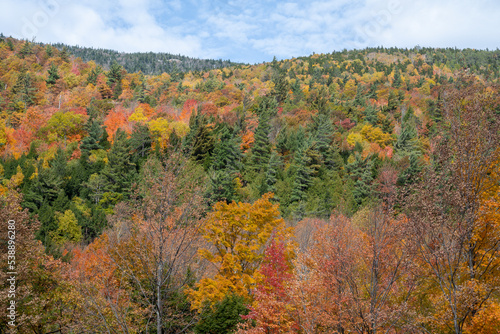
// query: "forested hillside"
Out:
[356,191]
[145,62]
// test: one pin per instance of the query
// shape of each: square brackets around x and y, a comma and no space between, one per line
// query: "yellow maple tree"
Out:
[239,234]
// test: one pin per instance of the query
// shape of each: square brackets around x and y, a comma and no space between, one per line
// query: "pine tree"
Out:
[115,79]
[141,142]
[408,139]
[396,83]
[363,185]
[64,54]
[261,149]
[302,175]
[225,163]
[281,85]
[410,174]
[226,153]
[120,171]
[223,317]
[53,74]
[93,74]
[274,165]
[59,164]
[23,89]
[371,115]
[91,142]
[49,51]
[203,145]
[321,130]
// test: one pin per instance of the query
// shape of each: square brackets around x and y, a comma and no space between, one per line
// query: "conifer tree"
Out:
[363,185]
[408,140]
[140,142]
[302,175]
[53,74]
[225,164]
[120,171]
[91,142]
[261,149]
[274,165]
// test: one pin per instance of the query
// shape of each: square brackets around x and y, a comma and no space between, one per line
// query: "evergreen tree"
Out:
[361,173]
[23,89]
[407,139]
[64,54]
[302,175]
[321,130]
[26,50]
[371,115]
[274,165]
[225,163]
[396,83]
[93,74]
[120,171]
[59,164]
[223,317]
[410,174]
[49,51]
[140,142]
[91,142]
[203,145]
[261,149]
[115,76]
[53,74]
[281,85]
[47,223]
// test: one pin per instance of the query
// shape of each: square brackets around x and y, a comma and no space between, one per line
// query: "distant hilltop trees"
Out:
[146,62]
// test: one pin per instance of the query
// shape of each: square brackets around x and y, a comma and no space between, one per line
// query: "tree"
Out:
[120,171]
[91,142]
[64,126]
[239,234]
[154,241]
[269,182]
[408,138]
[356,277]
[53,74]
[261,149]
[223,317]
[140,142]
[225,165]
[24,89]
[107,302]
[270,311]
[302,175]
[67,230]
[44,298]
[453,241]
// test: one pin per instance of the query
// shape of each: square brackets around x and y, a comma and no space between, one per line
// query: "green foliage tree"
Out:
[261,149]
[53,75]
[225,165]
[223,317]
[119,171]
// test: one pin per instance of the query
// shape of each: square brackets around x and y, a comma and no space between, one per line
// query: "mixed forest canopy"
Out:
[145,62]
[356,191]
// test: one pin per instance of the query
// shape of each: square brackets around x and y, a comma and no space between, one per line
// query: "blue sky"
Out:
[254,31]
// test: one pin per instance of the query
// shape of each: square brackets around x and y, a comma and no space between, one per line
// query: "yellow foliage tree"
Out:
[239,234]
[376,135]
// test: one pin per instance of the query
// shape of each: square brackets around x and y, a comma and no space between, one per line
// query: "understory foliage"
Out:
[351,192]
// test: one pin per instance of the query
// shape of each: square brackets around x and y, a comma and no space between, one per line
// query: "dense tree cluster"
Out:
[356,191]
[145,62]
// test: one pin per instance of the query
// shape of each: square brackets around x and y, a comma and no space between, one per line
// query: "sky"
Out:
[253,31]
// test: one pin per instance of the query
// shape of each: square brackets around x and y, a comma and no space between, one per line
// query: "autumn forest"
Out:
[350,192]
